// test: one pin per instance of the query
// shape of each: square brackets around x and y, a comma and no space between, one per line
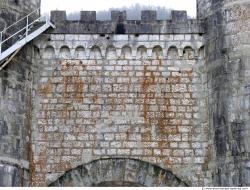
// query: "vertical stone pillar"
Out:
[227,67]
[15,103]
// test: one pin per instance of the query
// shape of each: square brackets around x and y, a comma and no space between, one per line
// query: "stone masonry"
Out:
[129,102]
[15,103]
[227,69]
[113,96]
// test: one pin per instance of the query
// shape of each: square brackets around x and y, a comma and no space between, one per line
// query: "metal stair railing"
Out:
[21,32]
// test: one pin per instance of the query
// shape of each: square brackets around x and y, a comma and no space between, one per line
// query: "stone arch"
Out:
[172,52]
[141,52]
[49,52]
[201,52]
[118,172]
[111,52]
[126,52]
[64,52]
[95,53]
[80,52]
[188,53]
[157,52]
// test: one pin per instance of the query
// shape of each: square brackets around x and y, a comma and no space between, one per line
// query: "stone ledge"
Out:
[21,163]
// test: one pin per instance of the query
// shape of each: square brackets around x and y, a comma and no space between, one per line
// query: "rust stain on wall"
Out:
[94,112]
[47,88]
[147,81]
[29,146]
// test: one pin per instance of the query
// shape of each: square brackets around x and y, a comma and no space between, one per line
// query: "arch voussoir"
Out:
[120,172]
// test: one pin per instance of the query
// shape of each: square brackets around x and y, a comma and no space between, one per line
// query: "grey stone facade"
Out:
[15,102]
[124,96]
[129,102]
[227,70]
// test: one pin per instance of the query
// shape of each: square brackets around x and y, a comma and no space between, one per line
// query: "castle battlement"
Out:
[88,24]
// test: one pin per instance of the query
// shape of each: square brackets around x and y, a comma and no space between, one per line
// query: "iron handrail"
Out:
[25,28]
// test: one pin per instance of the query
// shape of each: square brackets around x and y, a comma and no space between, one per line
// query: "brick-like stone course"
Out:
[95,94]
[145,108]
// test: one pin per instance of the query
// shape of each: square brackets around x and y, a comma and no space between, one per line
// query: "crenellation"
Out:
[87,16]
[58,16]
[118,16]
[148,16]
[179,16]
[120,25]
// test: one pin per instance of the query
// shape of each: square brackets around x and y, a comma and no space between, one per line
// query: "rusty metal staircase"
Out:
[15,36]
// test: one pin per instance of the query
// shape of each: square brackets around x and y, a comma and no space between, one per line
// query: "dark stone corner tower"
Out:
[15,102]
[227,69]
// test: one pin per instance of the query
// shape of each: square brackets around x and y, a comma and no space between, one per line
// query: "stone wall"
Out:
[227,68]
[127,96]
[169,97]
[15,100]
[15,108]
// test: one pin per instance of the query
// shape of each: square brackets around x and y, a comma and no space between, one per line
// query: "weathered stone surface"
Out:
[105,103]
[226,61]
[85,16]
[13,175]
[15,100]
[118,172]
[112,102]
[12,10]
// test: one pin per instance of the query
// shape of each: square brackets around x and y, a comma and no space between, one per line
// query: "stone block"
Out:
[154,38]
[88,16]
[121,38]
[137,152]
[111,151]
[178,153]
[179,16]
[199,160]
[58,16]
[157,152]
[118,16]
[123,151]
[184,145]
[148,16]
[179,37]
